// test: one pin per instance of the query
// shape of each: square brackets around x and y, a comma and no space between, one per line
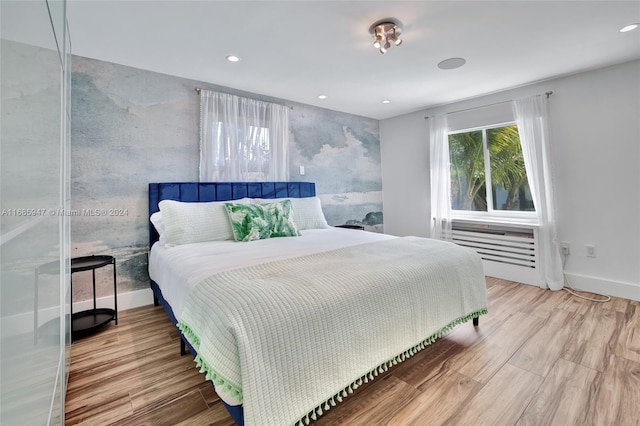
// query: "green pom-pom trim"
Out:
[211,374]
[370,375]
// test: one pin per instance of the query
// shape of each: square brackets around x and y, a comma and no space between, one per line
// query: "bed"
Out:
[285,328]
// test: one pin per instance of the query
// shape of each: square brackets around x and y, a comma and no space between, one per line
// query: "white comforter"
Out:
[178,269]
[295,334]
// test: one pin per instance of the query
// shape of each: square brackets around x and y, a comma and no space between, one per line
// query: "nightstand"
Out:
[88,321]
[360,227]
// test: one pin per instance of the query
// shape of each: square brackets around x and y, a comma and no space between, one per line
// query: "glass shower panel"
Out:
[32,246]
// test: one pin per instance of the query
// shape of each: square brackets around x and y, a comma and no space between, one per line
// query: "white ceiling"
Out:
[297,50]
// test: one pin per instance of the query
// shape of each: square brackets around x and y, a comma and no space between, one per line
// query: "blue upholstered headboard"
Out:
[222,191]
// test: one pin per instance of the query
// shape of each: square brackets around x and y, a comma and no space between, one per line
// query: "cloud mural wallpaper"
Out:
[341,153]
[132,126]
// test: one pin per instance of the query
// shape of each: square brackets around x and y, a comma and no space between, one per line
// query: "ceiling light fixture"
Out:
[322,96]
[386,101]
[629,28]
[233,58]
[385,32]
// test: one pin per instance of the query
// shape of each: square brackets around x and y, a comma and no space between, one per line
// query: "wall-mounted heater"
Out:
[508,251]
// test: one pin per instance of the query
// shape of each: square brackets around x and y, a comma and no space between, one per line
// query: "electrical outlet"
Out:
[591,250]
[566,248]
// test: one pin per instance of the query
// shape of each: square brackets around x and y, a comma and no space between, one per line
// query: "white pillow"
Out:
[187,223]
[307,212]
[158,223]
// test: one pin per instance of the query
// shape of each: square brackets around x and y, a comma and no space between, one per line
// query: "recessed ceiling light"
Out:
[386,101]
[629,28]
[322,96]
[232,58]
[451,63]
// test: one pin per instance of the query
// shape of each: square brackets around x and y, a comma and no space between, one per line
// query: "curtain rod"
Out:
[198,90]
[547,94]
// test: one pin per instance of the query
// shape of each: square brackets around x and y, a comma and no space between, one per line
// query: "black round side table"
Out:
[88,321]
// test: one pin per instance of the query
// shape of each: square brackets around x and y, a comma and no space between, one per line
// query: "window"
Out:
[254,150]
[242,140]
[488,172]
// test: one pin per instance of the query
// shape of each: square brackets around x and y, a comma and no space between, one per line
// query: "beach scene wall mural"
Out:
[132,126]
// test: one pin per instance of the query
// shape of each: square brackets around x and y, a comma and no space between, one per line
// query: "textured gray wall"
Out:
[132,126]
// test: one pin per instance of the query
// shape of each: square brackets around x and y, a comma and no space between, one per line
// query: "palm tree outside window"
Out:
[488,172]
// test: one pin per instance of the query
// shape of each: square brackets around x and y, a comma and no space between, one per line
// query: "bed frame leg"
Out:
[183,347]
[476,321]
[156,302]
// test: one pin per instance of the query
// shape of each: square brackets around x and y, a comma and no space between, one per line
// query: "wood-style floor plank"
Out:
[594,338]
[495,350]
[208,418]
[506,301]
[628,344]
[168,386]
[109,409]
[434,359]
[389,397]
[540,352]
[618,394]
[170,413]
[538,358]
[493,406]
[563,398]
[441,397]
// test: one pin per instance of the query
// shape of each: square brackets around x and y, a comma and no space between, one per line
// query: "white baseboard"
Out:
[603,286]
[24,323]
[596,285]
[130,300]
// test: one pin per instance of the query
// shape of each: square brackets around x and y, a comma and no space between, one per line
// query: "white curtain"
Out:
[242,139]
[532,119]
[440,178]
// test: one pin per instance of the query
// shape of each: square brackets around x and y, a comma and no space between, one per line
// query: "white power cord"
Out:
[572,290]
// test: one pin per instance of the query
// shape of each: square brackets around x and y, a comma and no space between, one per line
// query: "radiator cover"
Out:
[508,251]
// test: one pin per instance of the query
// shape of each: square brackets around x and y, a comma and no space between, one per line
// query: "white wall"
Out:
[595,137]
[404,151]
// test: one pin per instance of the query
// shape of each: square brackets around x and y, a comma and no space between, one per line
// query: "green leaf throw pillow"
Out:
[251,222]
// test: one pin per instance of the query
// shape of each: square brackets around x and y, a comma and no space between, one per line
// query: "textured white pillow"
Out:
[307,212]
[158,223]
[187,223]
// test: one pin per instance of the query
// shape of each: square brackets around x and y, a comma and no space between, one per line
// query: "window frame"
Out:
[515,217]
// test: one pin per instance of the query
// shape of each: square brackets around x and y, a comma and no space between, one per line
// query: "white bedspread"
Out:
[294,335]
[178,269]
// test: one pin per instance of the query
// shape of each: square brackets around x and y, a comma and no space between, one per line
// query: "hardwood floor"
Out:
[538,358]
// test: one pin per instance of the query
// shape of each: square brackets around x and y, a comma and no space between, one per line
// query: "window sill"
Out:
[530,222]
